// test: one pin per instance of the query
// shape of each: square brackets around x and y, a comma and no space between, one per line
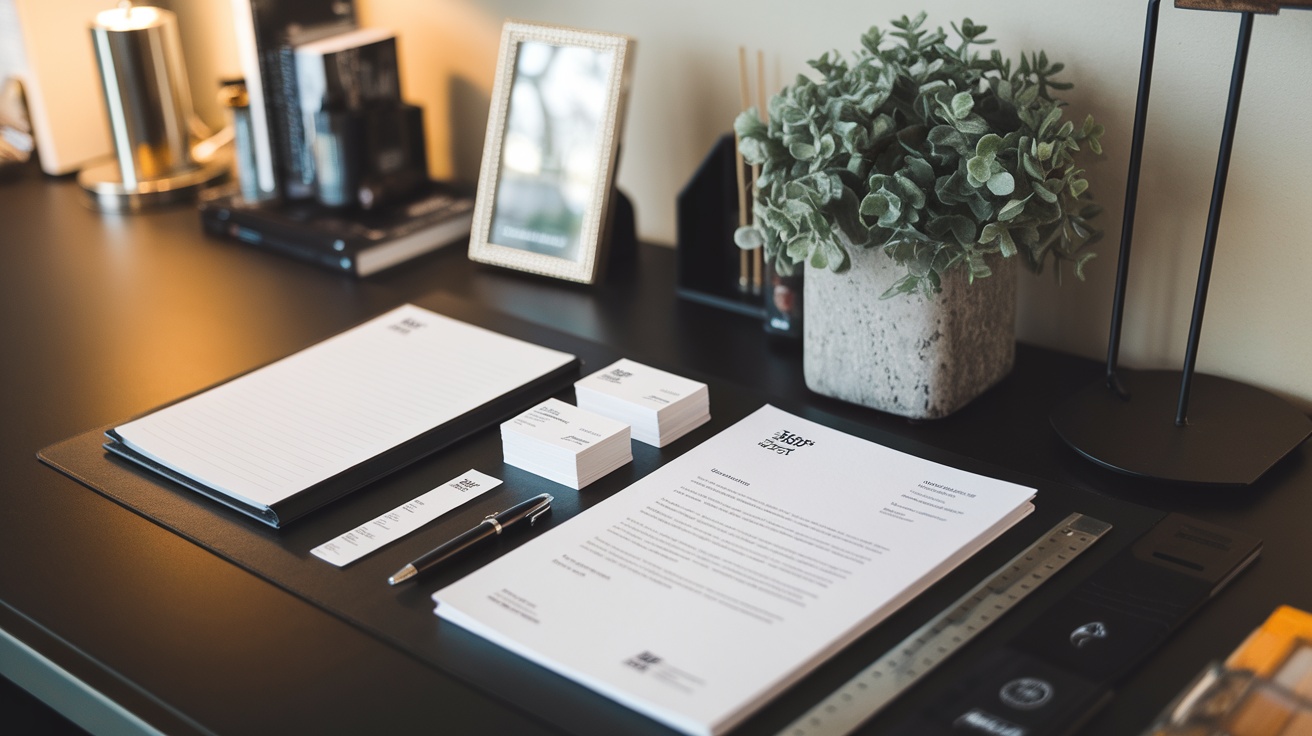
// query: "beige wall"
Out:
[685,94]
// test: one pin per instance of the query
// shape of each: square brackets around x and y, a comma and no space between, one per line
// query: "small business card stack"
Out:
[566,444]
[661,407]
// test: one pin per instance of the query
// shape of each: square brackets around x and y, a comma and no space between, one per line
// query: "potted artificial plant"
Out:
[908,181]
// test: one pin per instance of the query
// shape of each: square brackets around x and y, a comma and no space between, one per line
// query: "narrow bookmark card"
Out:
[661,406]
[404,519]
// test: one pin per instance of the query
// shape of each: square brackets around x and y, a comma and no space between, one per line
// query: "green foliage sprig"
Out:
[927,150]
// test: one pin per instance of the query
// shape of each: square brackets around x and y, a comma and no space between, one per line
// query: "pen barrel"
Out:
[456,545]
[529,509]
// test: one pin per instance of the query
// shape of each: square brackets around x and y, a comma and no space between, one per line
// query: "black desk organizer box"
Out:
[706,264]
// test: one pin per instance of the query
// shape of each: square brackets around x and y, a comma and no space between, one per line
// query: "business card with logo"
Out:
[660,406]
[562,426]
[640,384]
[565,444]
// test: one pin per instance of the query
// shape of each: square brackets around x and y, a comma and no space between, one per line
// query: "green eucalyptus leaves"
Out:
[926,150]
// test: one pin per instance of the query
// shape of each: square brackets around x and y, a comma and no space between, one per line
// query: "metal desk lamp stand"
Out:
[149,104]
[1224,433]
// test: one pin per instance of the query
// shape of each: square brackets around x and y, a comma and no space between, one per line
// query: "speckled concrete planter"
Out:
[907,355]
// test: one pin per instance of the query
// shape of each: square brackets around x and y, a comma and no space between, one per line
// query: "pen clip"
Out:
[540,510]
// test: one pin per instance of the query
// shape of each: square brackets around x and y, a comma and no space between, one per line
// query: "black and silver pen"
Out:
[493,525]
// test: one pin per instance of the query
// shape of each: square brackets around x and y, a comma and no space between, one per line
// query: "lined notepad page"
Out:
[280,429]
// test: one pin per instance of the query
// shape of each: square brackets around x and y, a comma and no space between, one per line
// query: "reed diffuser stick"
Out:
[758,255]
[744,196]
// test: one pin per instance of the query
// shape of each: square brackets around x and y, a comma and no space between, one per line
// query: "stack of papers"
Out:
[735,569]
[661,407]
[565,444]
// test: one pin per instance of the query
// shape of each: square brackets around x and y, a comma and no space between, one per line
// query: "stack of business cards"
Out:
[566,444]
[661,407]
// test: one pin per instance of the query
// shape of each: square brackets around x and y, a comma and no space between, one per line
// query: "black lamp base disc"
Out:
[1233,435]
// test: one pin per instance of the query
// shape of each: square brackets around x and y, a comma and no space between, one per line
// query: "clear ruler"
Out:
[883,680]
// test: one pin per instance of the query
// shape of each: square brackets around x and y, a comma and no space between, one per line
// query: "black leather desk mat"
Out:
[403,617]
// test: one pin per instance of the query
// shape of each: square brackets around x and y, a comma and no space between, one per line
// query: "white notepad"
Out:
[273,433]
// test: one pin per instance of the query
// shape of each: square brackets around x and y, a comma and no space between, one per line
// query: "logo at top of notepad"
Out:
[406,326]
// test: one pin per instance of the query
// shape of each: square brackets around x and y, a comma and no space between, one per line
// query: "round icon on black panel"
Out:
[1087,633]
[1026,693]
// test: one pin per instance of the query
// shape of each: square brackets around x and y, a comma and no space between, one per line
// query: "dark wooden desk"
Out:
[107,316]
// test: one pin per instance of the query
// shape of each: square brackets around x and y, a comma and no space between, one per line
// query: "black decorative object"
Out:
[783,303]
[707,269]
[1223,433]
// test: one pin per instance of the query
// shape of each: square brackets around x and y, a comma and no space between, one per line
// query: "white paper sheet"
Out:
[707,587]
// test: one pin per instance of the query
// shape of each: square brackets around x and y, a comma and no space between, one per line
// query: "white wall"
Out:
[686,93]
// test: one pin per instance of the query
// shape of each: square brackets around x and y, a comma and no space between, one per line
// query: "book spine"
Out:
[264,29]
[248,53]
[300,162]
[275,110]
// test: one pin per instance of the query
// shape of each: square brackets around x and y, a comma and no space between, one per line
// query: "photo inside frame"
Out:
[551,150]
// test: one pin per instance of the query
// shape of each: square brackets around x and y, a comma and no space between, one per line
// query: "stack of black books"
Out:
[341,167]
[359,242]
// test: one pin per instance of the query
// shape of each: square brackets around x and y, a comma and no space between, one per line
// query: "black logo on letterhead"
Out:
[643,661]
[784,442]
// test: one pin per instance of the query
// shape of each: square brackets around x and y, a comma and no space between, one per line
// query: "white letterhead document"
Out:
[276,431]
[710,585]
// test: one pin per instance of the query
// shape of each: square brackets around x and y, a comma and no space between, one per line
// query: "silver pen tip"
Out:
[402,575]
